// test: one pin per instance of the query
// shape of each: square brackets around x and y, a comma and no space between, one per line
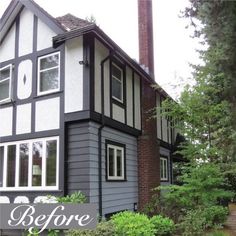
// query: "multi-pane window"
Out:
[49,73]
[117,83]
[115,162]
[5,83]
[164,168]
[31,164]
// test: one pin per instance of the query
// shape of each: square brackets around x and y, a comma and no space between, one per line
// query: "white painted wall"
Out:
[107,100]
[129,96]
[47,114]
[7,48]
[101,52]
[44,36]
[118,113]
[6,120]
[23,119]
[26,32]
[137,101]
[74,75]
[24,86]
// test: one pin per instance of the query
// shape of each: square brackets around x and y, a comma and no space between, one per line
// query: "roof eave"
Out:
[8,17]
[14,9]
[61,38]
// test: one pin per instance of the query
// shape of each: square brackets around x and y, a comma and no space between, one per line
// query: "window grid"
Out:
[30,165]
[120,80]
[164,169]
[40,71]
[9,67]
[115,151]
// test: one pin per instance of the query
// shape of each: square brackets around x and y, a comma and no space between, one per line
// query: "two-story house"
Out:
[74,112]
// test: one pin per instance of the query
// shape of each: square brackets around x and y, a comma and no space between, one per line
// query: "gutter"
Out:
[100,136]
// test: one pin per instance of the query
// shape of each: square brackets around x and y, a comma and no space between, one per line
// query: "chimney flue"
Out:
[145,23]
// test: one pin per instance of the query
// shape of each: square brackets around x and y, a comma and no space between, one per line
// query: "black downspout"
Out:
[100,136]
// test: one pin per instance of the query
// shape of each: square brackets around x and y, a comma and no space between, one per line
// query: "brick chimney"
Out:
[145,25]
[148,146]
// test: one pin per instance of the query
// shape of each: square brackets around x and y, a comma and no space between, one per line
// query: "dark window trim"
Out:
[168,174]
[107,142]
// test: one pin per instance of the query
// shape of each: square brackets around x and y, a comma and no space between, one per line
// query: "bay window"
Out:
[31,164]
[5,83]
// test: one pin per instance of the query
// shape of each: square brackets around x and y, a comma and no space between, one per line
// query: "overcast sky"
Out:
[174,48]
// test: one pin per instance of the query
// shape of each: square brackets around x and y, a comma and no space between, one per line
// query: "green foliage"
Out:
[34,232]
[215,22]
[195,222]
[217,233]
[161,205]
[215,215]
[53,232]
[133,224]
[202,185]
[76,197]
[163,225]
[104,228]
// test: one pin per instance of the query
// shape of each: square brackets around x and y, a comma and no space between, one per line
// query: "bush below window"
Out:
[104,228]
[163,225]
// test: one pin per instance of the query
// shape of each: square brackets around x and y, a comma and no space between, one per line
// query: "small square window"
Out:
[117,83]
[49,73]
[164,169]
[5,83]
[115,162]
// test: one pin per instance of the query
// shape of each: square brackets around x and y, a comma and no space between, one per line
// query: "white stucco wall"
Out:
[74,75]
[23,119]
[26,32]
[47,114]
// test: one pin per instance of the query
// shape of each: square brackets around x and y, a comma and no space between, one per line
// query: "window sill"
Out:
[118,103]
[7,102]
[48,94]
[32,189]
[164,180]
[116,180]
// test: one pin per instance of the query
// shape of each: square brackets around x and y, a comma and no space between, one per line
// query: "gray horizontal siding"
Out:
[82,163]
[78,158]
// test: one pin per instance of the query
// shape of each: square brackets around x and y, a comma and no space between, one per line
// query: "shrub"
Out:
[163,225]
[215,215]
[104,228]
[161,205]
[195,222]
[76,197]
[217,233]
[133,224]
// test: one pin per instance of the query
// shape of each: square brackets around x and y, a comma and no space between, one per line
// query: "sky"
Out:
[174,49]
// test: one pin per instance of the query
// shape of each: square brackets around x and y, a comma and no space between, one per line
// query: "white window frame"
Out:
[43,186]
[10,82]
[44,70]
[122,149]
[165,170]
[120,80]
